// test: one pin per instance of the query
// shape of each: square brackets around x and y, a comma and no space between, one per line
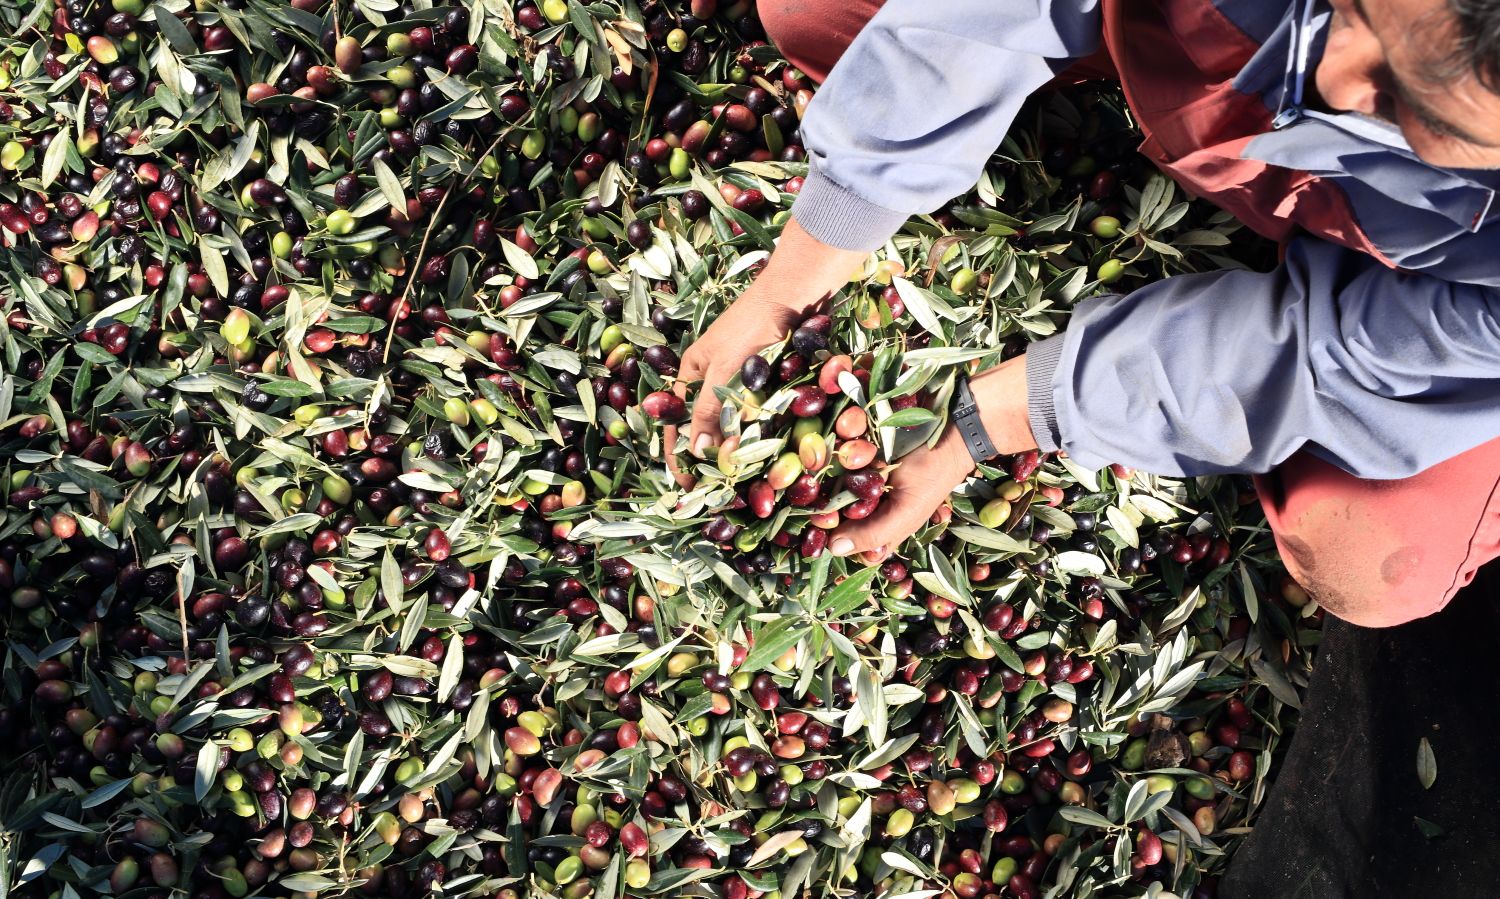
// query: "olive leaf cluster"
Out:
[339,554]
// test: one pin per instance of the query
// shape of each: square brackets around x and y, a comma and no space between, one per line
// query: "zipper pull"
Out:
[1286,117]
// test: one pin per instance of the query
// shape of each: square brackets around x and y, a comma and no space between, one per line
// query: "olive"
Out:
[777,792]
[808,341]
[695,205]
[638,234]
[462,59]
[375,724]
[377,685]
[755,372]
[452,573]
[123,79]
[661,358]
[921,842]
[231,553]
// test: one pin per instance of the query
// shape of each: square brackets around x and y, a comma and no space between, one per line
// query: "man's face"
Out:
[1394,59]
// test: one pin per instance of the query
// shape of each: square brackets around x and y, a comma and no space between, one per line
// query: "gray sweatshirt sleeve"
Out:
[919,102]
[1379,372]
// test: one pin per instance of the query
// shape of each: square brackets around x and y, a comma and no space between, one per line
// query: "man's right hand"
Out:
[750,324]
[801,273]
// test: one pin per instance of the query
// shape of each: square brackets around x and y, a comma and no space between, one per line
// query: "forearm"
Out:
[920,101]
[1000,395]
[1378,372]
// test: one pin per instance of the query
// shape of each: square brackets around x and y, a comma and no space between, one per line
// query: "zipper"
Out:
[1299,53]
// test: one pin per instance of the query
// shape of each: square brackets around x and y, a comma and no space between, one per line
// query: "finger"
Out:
[688,371]
[705,427]
[899,516]
[680,474]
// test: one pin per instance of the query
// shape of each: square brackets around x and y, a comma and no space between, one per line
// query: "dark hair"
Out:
[1478,50]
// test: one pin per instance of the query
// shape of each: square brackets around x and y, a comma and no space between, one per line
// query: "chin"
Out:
[1440,154]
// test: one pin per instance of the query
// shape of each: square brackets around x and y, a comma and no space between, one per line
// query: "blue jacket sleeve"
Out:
[919,102]
[1379,372]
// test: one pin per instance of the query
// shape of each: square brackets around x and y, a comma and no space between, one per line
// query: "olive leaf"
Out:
[417,521]
[1426,764]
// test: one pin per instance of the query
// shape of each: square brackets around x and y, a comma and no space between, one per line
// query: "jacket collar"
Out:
[1351,145]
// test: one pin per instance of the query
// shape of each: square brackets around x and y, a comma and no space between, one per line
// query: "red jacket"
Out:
[1207,80]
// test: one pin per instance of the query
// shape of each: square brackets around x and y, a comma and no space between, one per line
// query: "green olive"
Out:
[456,410]
[964,281]
[900,822]
[994,513]
[568,870]
[341,222]
[402,76]
[533,144]
[595,227]
[408,770]
[11,155]
[337,489]
[484,410]
[588,127]
[1004,870]
[1199,787]
[1105,227]
[679,163]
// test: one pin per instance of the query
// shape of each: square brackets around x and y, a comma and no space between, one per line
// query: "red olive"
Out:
[664,406]
[809,400]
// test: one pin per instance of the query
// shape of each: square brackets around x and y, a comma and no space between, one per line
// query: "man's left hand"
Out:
[918,486]
[922,480]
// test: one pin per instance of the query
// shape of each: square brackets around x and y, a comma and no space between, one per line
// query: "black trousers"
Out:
[1342,818]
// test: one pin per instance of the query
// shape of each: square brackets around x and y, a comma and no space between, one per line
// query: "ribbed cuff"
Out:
[838,217]
[1042,359]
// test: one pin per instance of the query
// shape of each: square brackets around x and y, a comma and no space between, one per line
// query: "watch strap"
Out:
[965,417]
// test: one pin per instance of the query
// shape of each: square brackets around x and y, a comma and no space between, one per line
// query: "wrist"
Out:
[802,273]
[955,453]
[788,306]
[1000,395]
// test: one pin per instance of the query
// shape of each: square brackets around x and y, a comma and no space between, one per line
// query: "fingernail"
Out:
[702,443]
[843,546]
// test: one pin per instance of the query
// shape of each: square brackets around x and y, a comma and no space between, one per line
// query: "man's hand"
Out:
[921,481]
[800,274]
[749,325]
[918,485]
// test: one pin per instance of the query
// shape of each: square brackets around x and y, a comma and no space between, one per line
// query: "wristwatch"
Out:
[965,417]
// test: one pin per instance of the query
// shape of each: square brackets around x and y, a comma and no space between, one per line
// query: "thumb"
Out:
[687,372]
